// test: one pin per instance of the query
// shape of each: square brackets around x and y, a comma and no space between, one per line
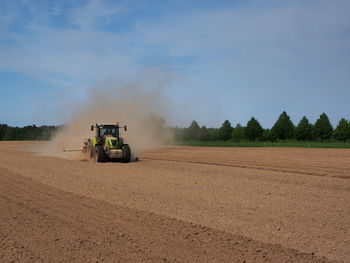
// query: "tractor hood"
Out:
[112,142]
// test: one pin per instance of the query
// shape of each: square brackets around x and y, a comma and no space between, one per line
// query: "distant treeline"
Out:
[282,130]
[32,132]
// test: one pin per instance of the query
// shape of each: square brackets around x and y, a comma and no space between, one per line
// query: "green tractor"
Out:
[107,145]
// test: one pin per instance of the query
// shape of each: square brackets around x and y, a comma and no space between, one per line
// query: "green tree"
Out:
[342,132]
[178,133]
[303,131]
[225,131]
[3,130]
[238,133]
[193,131]
[27,132]
[284,127]
[12,134]
[323,128]
[253,130]
[213,134]
[203,134]
[31,132]
[267,135]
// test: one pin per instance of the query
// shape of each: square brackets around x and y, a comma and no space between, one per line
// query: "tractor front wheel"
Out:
[126,153]
[100,155]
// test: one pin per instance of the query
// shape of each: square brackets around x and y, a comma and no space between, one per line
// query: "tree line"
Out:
[31,132]
[283,129]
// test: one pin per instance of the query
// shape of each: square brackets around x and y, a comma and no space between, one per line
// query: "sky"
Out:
[223,59]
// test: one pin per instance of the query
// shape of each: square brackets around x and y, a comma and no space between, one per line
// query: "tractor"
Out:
[107,145]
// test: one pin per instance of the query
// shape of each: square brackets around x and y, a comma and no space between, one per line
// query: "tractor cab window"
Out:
[108,131]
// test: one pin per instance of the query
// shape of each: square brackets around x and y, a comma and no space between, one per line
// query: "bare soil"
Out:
[177,204]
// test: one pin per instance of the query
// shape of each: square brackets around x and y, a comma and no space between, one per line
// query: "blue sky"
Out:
[227,59]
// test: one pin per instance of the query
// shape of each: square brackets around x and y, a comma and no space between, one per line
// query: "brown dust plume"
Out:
[139,106]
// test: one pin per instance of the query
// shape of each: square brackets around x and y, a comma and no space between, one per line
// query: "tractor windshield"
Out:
[108,131]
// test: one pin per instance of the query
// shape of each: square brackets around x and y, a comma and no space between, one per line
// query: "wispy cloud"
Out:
[266,56]
[67,55]
[273,57]
[94,13]
[299,30]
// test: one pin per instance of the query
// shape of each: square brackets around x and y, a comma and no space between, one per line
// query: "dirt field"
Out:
[178,204]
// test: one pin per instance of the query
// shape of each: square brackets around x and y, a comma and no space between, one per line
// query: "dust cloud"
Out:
[140,104]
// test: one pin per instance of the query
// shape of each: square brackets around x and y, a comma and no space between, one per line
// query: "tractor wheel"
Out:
[100,155]
[127,153]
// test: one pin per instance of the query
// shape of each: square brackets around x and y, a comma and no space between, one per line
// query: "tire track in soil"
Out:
[250,167]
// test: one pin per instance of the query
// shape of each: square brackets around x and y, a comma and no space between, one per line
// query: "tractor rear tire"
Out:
[127,153]
[100,155]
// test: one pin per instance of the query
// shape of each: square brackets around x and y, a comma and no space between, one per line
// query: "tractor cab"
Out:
[108,130]
[103,130]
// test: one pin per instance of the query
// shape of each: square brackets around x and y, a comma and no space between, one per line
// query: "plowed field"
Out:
[177,204]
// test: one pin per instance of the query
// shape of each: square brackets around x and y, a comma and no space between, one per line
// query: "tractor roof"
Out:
[107,125]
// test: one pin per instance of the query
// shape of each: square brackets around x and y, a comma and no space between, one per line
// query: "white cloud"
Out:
[76,52]
[268,50]
[274,58]
[287,30]
[66,55]
[93,13]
